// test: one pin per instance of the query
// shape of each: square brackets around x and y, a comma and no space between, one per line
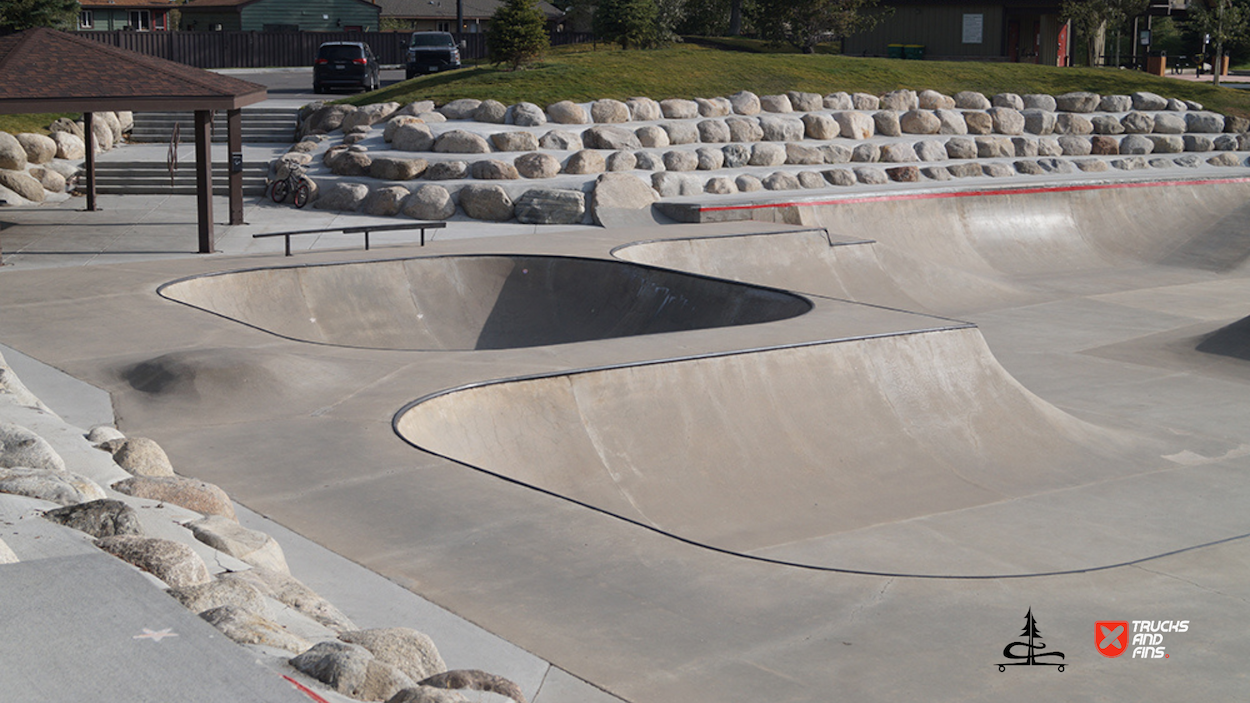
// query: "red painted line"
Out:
[305,690]
[974,193]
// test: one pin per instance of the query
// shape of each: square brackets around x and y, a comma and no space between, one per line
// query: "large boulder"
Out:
[393,124]
[978,122]
[1138,123]
[971,100]
[189,493]
[586,161]
[566,112]
[805,102]
[1040,122]
[609,111]
[644,110]
[1077,101]
[1116,103]
[526,115]
[290,592]
[1170,123]
[1038,101]
[618,192]
[745,103]
[919,122]
[1008,100]
[1203,122]
[461,109]
[351,670]
[768,154]
[60,487]
[854,125]
[1006,120]
[389,168]
[815,126]
[610,137]
[69,146]
[384,201]
[405,649]
[865,101]
[710,158]
[327,119]
[839,101]
[1136,144]
[950,122]
[428,202]
[447,171]
[675,184]
[1106,124]
[65,124]
[775,103]
[652,136]
[368,115]
[140,456]
[1148,101]
[900,100]
[560,140]
[475,680]
[681,132]
[219,592]
[744,129]
[247,627]
[98,518]
[492,170]
[679,109]
[713,131]
[714,107]
[48,178]
[412,136]
[41,149]
[933,100]
[781,181]
[887,124]
[350,163]
[624,160]
[20,447]
[458,141]
[1073,123]
[174,563]
[550,206]
[23,184]
[491,112]
[486,202]
[514,141]
[802,155]
[537,165]
[735,155]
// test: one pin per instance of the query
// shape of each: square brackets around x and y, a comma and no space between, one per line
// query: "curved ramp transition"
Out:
[478,302]
[748,452]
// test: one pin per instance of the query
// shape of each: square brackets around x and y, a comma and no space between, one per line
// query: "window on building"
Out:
[444,27]
[85,20]
[158,20]
[140,20]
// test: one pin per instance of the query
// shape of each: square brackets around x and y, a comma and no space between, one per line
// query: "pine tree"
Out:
[631,23]
[517,34]
[16,15]
[805,23]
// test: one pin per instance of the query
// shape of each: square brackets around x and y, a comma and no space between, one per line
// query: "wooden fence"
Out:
[266,49]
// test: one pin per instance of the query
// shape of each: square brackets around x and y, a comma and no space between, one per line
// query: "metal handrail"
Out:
[365,229]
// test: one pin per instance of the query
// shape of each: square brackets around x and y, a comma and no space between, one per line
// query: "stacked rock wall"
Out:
[487,158]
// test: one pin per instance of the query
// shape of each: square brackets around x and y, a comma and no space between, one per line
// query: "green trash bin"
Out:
[914,52]
[894,51]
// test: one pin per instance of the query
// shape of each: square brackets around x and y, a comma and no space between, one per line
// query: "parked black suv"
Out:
[430,52]
[345,64]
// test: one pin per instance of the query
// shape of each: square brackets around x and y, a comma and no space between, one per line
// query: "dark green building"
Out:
[280,15]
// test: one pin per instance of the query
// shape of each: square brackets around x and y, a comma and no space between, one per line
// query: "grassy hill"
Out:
[583,72]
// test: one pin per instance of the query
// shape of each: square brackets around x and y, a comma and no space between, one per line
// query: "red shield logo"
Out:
[1111,637]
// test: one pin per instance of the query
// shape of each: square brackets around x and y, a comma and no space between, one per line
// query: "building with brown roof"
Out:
[280,15]
[440,15]
[134,15]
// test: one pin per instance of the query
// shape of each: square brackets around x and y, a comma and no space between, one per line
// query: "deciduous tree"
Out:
[631,23]
[1224,23]
[805,23]
[16,15]
[1090,17]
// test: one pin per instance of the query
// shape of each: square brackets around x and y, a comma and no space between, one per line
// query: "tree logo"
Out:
[1111,637]
[1032,648]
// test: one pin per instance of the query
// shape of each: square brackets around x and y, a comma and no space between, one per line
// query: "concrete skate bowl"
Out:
[478,302]
[956,253]
[790,449]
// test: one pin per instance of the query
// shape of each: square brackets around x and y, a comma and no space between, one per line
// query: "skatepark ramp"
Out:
[478,302]
[751,451]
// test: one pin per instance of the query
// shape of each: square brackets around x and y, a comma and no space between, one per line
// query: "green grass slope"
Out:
[584,73]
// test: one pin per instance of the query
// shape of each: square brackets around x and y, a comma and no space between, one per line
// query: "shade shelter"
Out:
[44,70]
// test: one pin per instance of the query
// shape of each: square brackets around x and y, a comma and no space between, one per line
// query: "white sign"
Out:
[974,29]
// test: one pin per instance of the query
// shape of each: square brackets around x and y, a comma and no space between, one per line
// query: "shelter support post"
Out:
[234,142]
[204,178]
[89,138]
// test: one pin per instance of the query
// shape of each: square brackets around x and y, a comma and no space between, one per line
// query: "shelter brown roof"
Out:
[44,70]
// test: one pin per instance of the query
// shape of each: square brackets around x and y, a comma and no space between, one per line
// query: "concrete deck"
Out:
[1072,454]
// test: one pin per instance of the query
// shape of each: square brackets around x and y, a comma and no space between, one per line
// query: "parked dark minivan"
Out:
[345,64]
[430,52]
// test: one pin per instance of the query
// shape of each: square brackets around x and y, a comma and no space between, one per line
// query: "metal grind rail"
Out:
[363,229]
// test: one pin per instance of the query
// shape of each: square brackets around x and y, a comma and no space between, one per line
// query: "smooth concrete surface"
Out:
[1118,450]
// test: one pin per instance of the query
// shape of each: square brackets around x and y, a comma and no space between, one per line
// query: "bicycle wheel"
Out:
[279,190]
[301,194]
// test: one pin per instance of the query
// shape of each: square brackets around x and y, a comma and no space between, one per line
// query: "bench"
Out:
[362,229]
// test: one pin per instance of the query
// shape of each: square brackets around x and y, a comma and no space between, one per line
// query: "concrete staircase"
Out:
[260,125]
[152,178]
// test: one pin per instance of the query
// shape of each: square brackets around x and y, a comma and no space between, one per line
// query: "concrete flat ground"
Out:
[998,403]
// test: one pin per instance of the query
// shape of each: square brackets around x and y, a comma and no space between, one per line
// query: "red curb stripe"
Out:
[305,690]
[973,193]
